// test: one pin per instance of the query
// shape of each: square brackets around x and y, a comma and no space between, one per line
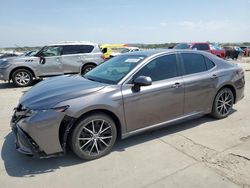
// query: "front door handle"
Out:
[177,85]
[214,76]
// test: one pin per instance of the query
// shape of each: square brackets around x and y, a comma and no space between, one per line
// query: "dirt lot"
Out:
[199,153]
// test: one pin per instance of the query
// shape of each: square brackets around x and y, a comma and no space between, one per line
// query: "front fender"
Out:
[16,67]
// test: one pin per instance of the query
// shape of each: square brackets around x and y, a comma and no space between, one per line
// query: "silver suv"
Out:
[51,60]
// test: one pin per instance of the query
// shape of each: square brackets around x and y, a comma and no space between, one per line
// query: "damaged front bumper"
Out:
[42,135]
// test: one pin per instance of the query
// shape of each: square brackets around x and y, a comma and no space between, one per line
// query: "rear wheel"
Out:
[223,103]
[22,78]
[93,137]
[87,68]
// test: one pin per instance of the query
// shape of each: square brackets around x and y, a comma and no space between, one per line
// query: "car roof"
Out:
[200,42]
[149,53]
[63,43]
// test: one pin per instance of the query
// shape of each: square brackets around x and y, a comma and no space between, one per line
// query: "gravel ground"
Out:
[198,153]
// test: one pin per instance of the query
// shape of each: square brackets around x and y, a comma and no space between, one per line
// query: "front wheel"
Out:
[93,137]
[223,103]
[87,68]
[22,78]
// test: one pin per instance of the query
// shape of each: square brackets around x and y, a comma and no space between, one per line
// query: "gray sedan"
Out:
[124,96]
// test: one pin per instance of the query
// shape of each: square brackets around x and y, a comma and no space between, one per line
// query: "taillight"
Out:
[103,57]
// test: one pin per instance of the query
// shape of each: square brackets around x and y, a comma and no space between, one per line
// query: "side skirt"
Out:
[163,124]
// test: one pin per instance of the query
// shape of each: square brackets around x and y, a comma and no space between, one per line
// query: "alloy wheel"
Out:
[95,137]
[22,78]
[224,103]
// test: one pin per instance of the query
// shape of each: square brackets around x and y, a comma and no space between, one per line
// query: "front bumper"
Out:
[4,74]
[24,144]
[42,135]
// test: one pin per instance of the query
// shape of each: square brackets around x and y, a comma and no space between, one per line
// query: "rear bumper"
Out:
[240,87]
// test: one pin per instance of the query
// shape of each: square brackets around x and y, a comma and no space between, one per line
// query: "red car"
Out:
[246,50]
[204,46]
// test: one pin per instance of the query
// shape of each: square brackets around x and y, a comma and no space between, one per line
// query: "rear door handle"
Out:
[214,76]
[176,85]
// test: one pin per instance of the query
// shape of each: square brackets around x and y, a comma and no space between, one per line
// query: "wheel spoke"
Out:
[105,137]
[92,147]
[93,126]
[85,144]
[219,106]
[220,101]
[101,127]
[84,138]
[224,109]
[104,130]
[96,147]
[85,128]
[103,142]
[229,100]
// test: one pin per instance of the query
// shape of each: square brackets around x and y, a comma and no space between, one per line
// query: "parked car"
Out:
[125,95]
[30,53]
[51,60]
[124,50]
[246,50]
[108,49]
[204,46]
[7,55]
[233,52]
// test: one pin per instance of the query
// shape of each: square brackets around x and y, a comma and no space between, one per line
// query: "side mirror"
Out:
[143,81]
[42,60]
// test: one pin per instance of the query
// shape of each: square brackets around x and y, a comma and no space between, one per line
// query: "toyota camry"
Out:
[126,95]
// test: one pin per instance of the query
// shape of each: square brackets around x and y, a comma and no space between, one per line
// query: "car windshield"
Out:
[125,50]
[182,46]
[117,50]
[215,47]
[113,70]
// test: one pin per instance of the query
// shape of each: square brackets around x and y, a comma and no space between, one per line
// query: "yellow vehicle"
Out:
[108,49]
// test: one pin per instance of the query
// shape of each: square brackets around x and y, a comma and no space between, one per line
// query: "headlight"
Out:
[4,64]
[57,109]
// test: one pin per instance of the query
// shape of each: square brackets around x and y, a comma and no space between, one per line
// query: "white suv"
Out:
[51,60]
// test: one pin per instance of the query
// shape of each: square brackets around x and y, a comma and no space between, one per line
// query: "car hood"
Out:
[50,92]
[19,59]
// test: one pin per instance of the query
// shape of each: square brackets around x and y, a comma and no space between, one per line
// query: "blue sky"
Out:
[32,22]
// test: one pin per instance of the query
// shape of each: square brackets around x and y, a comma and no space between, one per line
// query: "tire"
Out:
[22,78]
[87,68]
[223,103]
[91,143]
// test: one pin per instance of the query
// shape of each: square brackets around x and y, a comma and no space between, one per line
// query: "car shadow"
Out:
[7,85]
[10,85]
[18,165]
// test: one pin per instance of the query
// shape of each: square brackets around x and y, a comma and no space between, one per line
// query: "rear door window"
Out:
[209,63]
[193,63]
[77,49]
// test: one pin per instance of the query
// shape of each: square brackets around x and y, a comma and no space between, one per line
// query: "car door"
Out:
[73,57]
[159,102]
[50,61]
[200,80]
